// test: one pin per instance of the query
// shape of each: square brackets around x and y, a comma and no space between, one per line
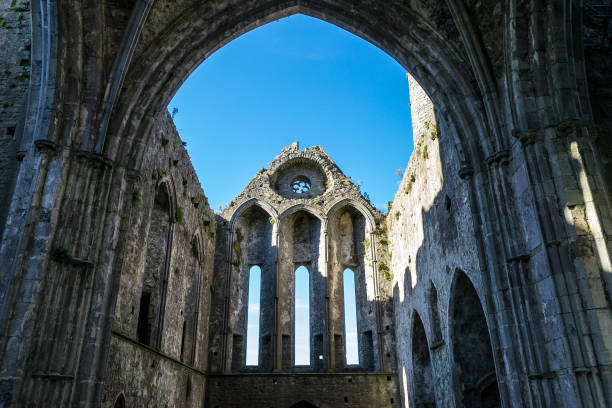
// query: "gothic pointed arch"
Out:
[156,267]
[436,328]
[119,402]
[423,378]
[191,302]
[475,378]
[253,229]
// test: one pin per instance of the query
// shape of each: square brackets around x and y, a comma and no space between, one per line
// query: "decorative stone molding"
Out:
[519,258]
[465,172]
[96,159]
[501,157]
[437,344]
[569,125]
[133,175]
[46,146]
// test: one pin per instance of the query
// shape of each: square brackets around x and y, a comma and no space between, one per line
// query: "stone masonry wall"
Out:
[148,379]
[145,374]
[431,235]
[14,80]
[285,390]
[304,232]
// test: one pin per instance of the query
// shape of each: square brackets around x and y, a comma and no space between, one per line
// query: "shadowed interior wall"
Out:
[471,346]
[155,270]
[172,373]
[15,71]
[507,183]
[423,395]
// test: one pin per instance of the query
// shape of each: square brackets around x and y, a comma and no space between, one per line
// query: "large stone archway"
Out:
[511,92]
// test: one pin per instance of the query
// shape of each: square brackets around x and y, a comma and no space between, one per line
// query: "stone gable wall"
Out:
[319,246]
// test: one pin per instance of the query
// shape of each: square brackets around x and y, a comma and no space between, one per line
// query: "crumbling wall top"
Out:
[301,178]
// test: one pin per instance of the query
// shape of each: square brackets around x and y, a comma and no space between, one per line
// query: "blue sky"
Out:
[295,79]
[302,317]
[252,357]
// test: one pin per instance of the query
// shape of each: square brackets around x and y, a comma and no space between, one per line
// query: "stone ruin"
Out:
[487,284]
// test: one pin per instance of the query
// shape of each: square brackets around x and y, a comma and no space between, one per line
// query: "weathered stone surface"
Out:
[178,228]
[286,390]
[501,239]
[323,223]
[15,46]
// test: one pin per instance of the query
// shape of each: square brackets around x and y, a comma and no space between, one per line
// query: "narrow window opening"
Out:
[155,274]
[302,317]
[10,131]
[143,319]
[435,315]
[183,340]
[350,318]
[252,357]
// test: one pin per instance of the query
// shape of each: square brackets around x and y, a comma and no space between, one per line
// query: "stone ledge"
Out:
[151,350]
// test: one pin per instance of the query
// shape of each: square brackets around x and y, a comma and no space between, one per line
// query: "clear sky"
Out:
[295,79]
[252,357]
[350,317]
[302,316]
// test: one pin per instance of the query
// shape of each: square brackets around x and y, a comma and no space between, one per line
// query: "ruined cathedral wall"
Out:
[171,372]
[431,235]
[306,227]
[15,40]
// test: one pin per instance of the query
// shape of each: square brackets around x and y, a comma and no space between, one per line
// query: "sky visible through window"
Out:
[302,316]
[252,357]
[296,79]
[350,318]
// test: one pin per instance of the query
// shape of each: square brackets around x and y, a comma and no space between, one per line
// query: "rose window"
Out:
[300,185]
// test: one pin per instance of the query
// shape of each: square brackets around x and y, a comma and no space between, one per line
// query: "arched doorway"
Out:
[474,368]
[422,373]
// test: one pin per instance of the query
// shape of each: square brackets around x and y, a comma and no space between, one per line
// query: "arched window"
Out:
[350,318]
[435,315]
[475,378]
[154,284]
[252,354]
[191,305]
[119,402]
[423,383]
[302,317]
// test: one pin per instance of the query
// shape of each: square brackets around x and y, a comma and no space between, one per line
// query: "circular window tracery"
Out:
[300,185]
